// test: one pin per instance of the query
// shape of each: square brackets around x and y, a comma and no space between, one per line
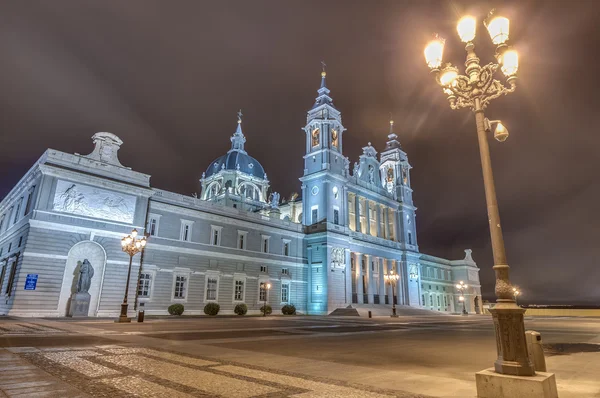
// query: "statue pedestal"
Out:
[80,304]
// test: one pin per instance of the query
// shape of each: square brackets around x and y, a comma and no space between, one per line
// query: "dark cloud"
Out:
[168,77]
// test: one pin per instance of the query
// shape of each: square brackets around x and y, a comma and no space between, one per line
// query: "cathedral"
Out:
[348,240]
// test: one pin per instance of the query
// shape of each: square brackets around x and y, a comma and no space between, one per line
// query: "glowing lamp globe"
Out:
[134,233]
[448,76]
[497,27]
[466,27]
[510,63]
[501,133]
[433,53]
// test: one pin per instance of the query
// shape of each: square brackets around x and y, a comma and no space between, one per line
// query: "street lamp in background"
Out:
[392,279]
[131,245]
[475,90]
[461,287]
[267,287]
[516,293]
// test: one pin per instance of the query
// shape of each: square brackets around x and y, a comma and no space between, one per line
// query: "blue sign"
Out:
[31,281]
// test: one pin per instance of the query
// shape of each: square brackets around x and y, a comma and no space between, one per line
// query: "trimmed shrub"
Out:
[175,309]
[288,309]
[241,309]
[212,309]
[268,309]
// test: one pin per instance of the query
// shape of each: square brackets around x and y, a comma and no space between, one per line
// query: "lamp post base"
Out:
[493,385]
[123,318]
[511,344]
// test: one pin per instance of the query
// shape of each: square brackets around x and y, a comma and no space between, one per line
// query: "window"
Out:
[144,285]
[423,299]
[314,215]
[265,244]
[445,301]
[242,235]
[2,221]
[9,247]
[285,271]
[2,274]
[1,250]
[29,200]
[186,230]
[263,269]
[211,288]
[153,220]
[336,216]
[18,210]
[11,278]
[334,139]
[180,287]
[431,301]
[286,247]
[315,137]
[20,241]
[263,292]
[373,265]
[285,292]
[238,294]
[410,238]
[215,235]
[438,300]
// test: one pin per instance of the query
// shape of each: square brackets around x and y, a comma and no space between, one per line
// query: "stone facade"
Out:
[330,247]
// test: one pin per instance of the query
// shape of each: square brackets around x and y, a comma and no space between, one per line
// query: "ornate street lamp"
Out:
[516,293]
[461,287]
[131,245]
[392,279]
[474,91]
[267,287]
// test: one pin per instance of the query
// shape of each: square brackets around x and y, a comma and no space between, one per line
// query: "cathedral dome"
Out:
[236,160]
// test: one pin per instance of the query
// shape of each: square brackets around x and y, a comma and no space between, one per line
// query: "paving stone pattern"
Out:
[121,371]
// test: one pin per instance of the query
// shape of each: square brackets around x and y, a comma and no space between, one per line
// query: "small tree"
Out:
[266,308]
[288,309]
[212,309]
[241,309]
[175,309]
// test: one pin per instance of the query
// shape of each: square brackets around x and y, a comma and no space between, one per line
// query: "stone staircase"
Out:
[383,310]
[348,311]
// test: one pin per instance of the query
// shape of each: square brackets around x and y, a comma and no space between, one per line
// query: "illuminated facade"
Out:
[328,248]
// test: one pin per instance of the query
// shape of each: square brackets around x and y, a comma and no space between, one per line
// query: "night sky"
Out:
[168,77]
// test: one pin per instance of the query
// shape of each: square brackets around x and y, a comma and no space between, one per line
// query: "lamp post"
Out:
[474,91]
[267,287]
[461,287]
[392,279]
[516,293]
[131,245]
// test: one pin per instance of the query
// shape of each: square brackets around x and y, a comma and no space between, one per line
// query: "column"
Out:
[356,213]
[381,268]
[400,284]
[367,218]
[359,284]
[378,210]
[370,279]
[396,225]
[386,225]
[348,276]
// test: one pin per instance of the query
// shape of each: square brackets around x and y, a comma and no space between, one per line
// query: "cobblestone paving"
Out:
[120,371]
[8,328]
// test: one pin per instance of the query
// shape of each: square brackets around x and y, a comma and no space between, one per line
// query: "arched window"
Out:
[334,138]
[315,137]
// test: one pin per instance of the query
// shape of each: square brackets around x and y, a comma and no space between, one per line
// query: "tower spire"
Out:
[323,91]
[323,75]
[392,137]
[238,139]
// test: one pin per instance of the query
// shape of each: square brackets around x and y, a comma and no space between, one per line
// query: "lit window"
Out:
[144,285]
[180,287]
[211,288]
[263,292]
[285,293]
[334,138]
[239,290]
[315,137]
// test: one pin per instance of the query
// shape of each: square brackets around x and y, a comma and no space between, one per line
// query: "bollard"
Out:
[141,313]
[535,350]
[370,314]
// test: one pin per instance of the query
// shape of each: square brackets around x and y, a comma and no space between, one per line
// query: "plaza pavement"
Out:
[409,356]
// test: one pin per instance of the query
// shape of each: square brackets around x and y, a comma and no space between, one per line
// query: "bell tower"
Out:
[394,170]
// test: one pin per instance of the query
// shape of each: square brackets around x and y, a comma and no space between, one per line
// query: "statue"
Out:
[275,199]
[371,175]
[356,169]
[86,272]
